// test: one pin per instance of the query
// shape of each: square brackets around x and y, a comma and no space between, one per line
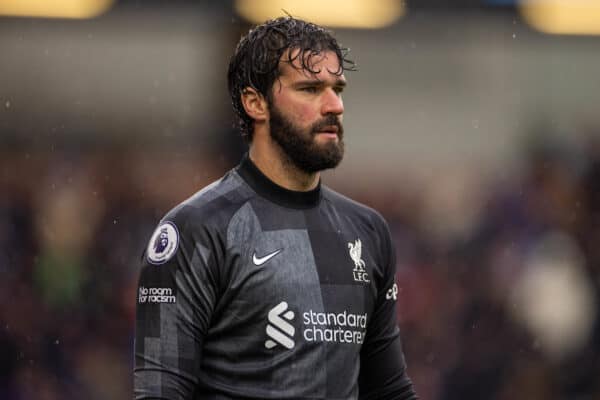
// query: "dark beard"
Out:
[299,145]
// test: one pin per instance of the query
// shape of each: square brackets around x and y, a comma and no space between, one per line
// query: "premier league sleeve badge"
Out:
[163,244]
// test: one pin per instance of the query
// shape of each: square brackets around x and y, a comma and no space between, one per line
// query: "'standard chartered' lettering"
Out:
[340,327]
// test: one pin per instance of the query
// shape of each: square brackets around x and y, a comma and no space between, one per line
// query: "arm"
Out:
[383,369]
[175,299]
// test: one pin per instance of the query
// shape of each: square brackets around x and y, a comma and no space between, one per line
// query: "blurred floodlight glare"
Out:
[75,9]
[364,14]
[563,17]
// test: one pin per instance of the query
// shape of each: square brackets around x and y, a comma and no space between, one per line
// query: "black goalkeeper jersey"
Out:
[249,290]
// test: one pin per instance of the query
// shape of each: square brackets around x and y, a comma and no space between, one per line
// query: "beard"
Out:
[299,145]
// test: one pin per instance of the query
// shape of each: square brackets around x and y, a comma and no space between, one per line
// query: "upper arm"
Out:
[176,295]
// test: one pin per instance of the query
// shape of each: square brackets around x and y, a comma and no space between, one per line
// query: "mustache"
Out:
[329,120]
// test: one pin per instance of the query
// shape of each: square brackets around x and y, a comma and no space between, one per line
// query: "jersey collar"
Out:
[273,192]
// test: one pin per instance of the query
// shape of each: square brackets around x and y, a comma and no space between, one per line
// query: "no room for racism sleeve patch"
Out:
[163,244]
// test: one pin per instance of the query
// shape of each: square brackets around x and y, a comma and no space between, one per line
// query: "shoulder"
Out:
[366,224]
[353,209]
[202,218]
[213,205]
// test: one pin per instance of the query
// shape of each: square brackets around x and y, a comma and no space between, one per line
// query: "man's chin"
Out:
[319,157]
[333,148]
[327,156]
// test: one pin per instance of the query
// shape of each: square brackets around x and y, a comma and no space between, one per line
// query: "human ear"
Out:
[255,104]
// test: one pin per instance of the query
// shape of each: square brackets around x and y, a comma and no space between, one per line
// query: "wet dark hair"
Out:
[255,62]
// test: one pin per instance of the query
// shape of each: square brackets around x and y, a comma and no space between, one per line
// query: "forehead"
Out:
[322,66]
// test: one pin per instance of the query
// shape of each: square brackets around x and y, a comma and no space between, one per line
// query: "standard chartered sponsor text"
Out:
[341,327]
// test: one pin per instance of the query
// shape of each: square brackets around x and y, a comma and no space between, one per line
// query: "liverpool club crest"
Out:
[359,272]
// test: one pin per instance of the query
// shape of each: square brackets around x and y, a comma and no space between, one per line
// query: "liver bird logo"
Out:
[356,255]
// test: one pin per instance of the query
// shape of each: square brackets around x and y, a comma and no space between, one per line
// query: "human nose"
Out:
[332,103]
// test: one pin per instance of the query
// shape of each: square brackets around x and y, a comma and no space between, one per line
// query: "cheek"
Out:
[306,115]
[302,113]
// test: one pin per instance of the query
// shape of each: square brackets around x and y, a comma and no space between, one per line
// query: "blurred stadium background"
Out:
[472,125]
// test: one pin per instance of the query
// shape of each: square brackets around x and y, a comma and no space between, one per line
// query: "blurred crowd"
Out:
[498,276]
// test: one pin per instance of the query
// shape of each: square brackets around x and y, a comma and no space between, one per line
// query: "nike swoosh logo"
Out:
[260,261]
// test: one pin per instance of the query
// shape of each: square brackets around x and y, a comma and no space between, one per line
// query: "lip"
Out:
[329,129]
[327,134]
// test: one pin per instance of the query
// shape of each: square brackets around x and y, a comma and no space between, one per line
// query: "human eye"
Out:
[309,89]
[338,89]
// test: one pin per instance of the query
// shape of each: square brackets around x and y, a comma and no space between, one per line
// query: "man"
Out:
[270,285]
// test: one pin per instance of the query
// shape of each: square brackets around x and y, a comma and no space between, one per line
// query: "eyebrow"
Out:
[316,82]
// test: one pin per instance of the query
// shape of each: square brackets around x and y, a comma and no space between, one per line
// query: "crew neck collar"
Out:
[272,191]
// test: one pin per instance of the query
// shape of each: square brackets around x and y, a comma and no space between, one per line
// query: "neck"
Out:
[276,165]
